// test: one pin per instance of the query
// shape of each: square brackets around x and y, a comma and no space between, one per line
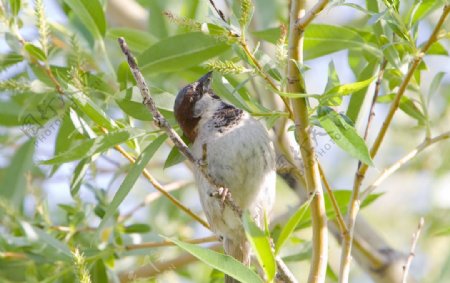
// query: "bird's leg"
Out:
[203,162]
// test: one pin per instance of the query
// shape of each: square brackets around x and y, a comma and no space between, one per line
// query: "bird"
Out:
[239,157]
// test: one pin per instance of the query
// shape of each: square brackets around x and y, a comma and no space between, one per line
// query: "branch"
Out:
[374,99]
[152,197]
[362,170]
[162,123]
[413,248]
[334,203]
[402,161]
[309,17]
[301,117]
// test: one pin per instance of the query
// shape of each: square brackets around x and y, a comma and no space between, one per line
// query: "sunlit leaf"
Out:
[261,245]
[179,52]
[344,134]
[87,148]
[224,263]
[131,178]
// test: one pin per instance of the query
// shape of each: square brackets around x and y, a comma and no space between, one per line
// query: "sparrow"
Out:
[239,156]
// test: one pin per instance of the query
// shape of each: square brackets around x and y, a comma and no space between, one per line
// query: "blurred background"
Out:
[418,189]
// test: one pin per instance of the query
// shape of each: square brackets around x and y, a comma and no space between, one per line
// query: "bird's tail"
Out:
[240,250]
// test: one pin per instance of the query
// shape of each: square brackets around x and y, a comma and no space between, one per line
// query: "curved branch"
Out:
[402,161]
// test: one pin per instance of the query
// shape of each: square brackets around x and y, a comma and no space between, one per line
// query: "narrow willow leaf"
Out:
[91,14]
[78,175]
[92,110]
[261,245]
[358,97]
[291,224]
[406,105]
[13,184]
[344,134]
[175,157]
[137,40]
[131,178]
[221,262]
[342,90]
[15,6]
[342,198]
[37,235]
[87,148]
[137,228]
[35,52]
[434,86]
[180,52]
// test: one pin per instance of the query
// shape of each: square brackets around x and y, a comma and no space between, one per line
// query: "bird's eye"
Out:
[215,96]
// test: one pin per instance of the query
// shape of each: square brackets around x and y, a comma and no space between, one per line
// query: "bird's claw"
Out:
[222,193]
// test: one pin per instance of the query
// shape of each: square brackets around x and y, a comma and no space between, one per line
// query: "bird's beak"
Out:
[205,82]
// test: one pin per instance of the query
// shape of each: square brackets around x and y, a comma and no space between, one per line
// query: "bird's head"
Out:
[192,102]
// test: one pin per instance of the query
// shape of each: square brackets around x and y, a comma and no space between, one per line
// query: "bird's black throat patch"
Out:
[226,116]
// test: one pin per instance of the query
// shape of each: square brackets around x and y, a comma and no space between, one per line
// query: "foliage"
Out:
[68,103]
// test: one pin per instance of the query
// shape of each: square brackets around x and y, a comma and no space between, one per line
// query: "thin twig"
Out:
[152,197]
[169,243]
[415,239]
[402,161]
[218,11]
[283,273]
[334,203]
[311,14]
[361,172]
[162,123]
[161,189]
[312,175]
[375,96]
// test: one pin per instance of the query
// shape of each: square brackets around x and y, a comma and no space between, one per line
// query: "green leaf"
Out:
[87,148]
[224,263]
[342,198]
[406,105]
[98,272]
[261,245]
[137,228]
[271,34]
[92,110]
[357,98]
[423,8]
[78,175]
[137,40]
[35,52]
[131,178]
[342,90]
[321,40]
[174,158]
[179,52]
[291,224]
[435,84]
[344,134]
[13,186]
[37,235]
[10,59]
[91,14]
[15,6]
